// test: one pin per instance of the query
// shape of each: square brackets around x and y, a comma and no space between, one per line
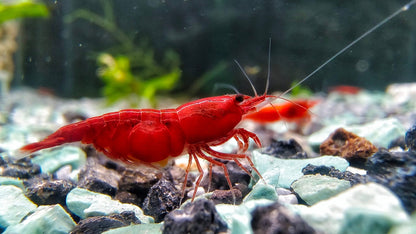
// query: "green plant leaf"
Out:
[22,9]
[128,69]
[300,90]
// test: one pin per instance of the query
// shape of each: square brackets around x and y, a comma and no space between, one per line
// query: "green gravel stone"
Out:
[288,170]
[314,188]
[85,203]
[331,215]
[238,218]
[262,191]
[365,221]
[148,228]
[6,180]
[51,160]
[46,220]
[14,205]
[379,132]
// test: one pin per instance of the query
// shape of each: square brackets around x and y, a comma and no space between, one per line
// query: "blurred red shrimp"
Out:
[345,89]
[292,111]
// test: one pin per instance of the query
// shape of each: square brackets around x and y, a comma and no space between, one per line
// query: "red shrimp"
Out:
[345,89]
[293,111]
[147,136]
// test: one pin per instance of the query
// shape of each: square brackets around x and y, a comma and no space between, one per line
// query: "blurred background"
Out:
[113,48]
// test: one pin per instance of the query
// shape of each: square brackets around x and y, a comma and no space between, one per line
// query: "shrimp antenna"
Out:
[226,86]
[402,9]
[248,78]
[268,67]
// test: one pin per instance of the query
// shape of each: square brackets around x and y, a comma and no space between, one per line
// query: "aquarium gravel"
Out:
[368,187]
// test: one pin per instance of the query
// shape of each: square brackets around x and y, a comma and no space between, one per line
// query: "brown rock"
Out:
[347,145]
[226,197]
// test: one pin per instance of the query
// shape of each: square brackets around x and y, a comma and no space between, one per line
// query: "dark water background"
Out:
[208,35]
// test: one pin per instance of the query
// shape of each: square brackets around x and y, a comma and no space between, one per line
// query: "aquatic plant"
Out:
[21,9]
[121,82]
[9,29]
[300,90]
[129,70]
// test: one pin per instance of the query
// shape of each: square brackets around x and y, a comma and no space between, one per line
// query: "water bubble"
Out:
[362,65]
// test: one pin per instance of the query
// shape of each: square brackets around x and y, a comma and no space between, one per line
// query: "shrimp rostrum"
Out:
[148,136]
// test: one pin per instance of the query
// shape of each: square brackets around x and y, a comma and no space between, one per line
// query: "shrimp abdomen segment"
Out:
[138,135]
[129,135]
[158,135]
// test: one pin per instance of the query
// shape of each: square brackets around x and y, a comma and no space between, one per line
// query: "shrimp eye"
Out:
[239,98]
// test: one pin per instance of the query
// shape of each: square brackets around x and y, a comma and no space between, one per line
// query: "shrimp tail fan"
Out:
[47,143]
[67,134]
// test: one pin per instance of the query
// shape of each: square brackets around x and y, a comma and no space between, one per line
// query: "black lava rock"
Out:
[99,224]
[410,138]
[138,181]
[219,181]
[98,178]
[331,171]
[2,161]
[48,192]
[162,198]
[397,171]
[290,149]
[384,163]
[177,175]
[22,168]
[276,218]
[199,216]
[127,197]
[398,142]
